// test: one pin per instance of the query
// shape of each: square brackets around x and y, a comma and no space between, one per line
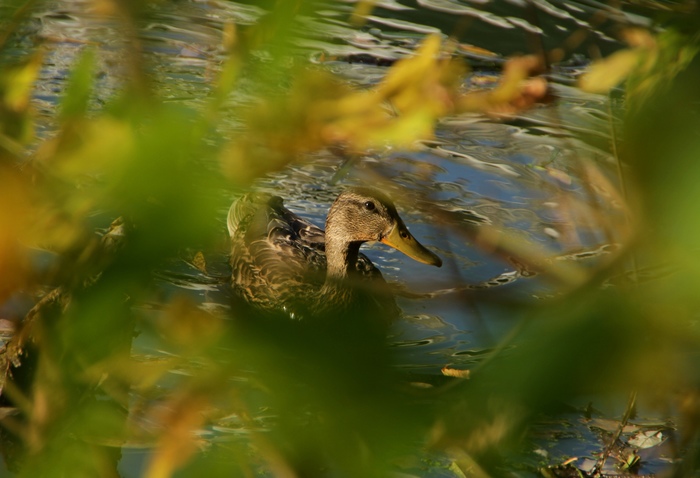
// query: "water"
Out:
[522,175]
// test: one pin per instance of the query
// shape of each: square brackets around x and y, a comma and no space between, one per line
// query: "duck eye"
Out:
[369,205]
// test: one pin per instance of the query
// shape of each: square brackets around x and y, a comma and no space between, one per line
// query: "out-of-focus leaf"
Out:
[15,217]
[184,325]
[650,63]
[138,373]
[98,148]
[425,80]
[77,93]
[362,9]
[670,54]
[92,156]
[16,85]
[605,74]
[518,89]
[177,442]
[404,131]
[320,111]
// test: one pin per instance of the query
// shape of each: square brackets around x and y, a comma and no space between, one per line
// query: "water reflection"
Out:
[518,175]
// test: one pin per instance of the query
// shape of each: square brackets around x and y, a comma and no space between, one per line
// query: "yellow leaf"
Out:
[178,442]
[200,262]
[409,71]
[13,227]
[362,11]
[94,147]
[518,89]
[455,372]
[321,111]
[19,83]
[605,74]
[402,132]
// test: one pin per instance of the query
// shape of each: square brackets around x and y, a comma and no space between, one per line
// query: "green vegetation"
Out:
[91,210]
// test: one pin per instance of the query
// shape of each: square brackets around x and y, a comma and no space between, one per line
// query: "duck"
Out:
[283,262]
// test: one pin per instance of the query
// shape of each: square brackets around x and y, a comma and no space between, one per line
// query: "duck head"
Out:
[361,215]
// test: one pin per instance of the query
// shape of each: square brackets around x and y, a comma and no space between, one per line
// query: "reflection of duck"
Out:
[281,261]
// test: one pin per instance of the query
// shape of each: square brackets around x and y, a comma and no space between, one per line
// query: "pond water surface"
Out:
[521,174]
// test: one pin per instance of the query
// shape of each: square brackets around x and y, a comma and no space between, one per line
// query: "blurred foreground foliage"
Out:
[147,175]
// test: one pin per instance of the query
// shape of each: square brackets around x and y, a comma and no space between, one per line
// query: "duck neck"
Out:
[341,257]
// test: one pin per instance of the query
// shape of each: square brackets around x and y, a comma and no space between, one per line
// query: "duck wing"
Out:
[277,257]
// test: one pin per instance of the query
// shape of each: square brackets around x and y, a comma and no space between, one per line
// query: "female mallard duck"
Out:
[281,261]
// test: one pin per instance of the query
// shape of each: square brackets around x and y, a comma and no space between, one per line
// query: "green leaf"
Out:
[79,89]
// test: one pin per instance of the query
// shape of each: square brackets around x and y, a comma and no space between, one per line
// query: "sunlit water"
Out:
[513,174]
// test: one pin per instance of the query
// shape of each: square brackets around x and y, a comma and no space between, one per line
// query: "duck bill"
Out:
[400,239]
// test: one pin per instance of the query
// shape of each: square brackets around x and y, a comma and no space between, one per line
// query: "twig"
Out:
[623,423]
